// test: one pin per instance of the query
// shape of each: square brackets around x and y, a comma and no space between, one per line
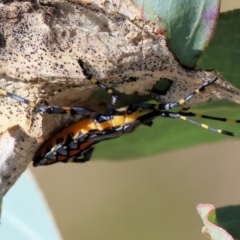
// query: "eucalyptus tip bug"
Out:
[75,143]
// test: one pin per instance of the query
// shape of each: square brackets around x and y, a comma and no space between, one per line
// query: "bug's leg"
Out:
[197,115]
[187,98]
[93,80]
[85,156]
[177,115]
[149,124]
[167,106]
[185,109]
[47,109]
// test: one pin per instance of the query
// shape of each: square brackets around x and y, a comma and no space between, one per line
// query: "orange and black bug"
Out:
[76,142]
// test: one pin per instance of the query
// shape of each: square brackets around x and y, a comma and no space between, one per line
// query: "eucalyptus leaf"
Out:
[223,53]
[188,25]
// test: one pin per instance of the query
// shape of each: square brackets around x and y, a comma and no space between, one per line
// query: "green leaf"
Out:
[228,218]
[220,223]
[188,25]
[223,53]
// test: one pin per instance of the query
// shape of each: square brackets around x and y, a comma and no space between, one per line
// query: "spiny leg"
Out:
[63,110]
[177,115]
[197,115]
[181,115]
[156,107]
[47,109]
[187,98]
[161,106]
[83,157]
[167,106]
[93,80]
[157,113]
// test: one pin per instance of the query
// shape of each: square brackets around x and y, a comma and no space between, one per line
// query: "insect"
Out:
[76,142]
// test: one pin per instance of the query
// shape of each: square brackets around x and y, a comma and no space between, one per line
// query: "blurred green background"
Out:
[145,198]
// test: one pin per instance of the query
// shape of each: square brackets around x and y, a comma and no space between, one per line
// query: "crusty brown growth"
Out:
[40,42]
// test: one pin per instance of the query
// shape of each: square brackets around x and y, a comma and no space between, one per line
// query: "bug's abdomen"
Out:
[67,143]
[74,142]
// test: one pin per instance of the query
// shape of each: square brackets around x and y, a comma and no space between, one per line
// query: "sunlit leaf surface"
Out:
[188,24]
